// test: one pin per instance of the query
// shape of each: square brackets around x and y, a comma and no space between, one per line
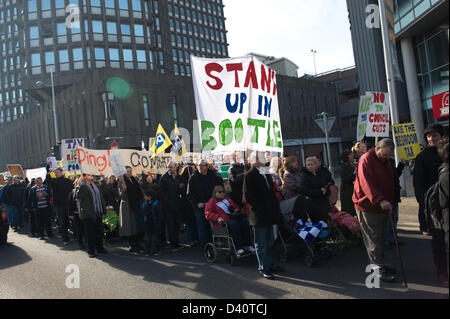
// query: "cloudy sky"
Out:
[291,28]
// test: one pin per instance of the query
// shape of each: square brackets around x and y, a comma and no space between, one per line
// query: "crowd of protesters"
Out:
[151,209]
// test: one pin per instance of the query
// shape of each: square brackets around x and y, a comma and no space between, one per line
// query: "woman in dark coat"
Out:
[131,218]
[188,215]
[348,174]
[313,187]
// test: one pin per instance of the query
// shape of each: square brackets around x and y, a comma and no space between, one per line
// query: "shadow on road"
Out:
[195,275]
[16,256]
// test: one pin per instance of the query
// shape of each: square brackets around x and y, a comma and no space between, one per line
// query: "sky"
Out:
[291,29]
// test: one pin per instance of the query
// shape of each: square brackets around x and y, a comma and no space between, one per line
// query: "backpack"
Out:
[433,211]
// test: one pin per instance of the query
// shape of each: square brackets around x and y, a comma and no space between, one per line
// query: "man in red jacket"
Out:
[373,197]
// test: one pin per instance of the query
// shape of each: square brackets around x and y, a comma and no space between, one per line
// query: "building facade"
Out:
[422,39]
[134,54]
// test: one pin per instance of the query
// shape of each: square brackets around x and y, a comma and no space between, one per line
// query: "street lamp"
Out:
[314,55]
[55,118]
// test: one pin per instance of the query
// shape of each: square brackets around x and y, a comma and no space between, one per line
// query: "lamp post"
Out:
[314,56]
[55,117]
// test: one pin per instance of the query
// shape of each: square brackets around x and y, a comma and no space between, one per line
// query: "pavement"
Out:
[31,268]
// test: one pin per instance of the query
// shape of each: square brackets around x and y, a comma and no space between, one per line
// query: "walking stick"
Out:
[398,249]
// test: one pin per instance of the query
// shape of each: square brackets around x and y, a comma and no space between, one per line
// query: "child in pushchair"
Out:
[295,228]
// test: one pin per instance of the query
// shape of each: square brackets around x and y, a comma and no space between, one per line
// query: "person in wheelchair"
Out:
[223,210]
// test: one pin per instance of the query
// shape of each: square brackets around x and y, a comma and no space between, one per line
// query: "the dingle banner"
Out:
[237,105]
[406,140]
[98,162]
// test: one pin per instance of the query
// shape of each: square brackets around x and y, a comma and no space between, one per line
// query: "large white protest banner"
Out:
[98,162]
[69,153]
[237,105]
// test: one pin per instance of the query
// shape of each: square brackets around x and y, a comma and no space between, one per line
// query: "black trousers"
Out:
[63,221]
[94,234]
[44,221]
[173,221]
[34,224]
[78,229]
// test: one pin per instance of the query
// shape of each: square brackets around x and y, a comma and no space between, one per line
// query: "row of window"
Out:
[97,27]
[201,5]
[194,16]
[199,45]
[110,109]
[204,32]
[10,96]
[11,114]
[136,5]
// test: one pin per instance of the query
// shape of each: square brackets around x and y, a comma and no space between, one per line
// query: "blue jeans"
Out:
[203,227]
[153,233]
[264,240]
[240,232]
[389,232]
[191,233]
[15,217]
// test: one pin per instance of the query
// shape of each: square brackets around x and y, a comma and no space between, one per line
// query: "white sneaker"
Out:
[250,249]
[240,252]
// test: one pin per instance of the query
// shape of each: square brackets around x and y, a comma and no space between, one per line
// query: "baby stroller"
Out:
[222,242]
[299,232]
[345,229]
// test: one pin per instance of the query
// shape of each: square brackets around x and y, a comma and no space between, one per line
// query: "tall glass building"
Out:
[421,28]
[145,45]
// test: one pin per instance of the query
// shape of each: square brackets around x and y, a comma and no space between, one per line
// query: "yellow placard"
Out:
[406,140]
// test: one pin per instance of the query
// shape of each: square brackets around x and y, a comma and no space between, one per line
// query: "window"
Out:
[95,3]
[111,27]
[128,55]
[138,30]
[63,56]
[141,56]
[123,4]
[32,6]
[136,5]
[35,59]
[77,54]
[59,4]
[174,108]
[125,28]
[110,109]
[49,58]
[99,54]
[110,4]
[97,26]
[61,29]
[146,112]
[34,32]
[45,5]
[114,54]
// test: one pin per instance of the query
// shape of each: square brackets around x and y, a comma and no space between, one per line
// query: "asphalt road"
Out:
[30,268]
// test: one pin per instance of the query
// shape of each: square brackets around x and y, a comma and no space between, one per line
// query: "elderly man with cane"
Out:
[373,197]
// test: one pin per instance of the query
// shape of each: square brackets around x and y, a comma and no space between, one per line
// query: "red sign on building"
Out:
[440,105]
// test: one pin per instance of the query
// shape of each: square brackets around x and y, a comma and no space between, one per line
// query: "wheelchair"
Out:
[222,243]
